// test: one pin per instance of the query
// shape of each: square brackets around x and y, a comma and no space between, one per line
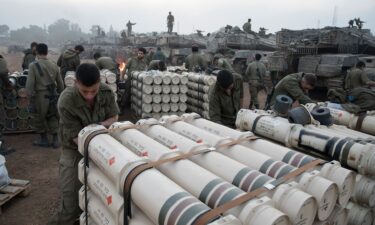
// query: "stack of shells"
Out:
[16,104]
[106,77]
[198,95]
[155,93]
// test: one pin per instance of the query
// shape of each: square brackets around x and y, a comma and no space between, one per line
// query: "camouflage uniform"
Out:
[27,59]
[108,63]
[45,117]
[291,86]
[356,78]
[222,107]
[195,60]
[254,75]
[75,114]
[68,61]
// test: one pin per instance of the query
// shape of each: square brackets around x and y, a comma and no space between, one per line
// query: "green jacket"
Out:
[68,61]
[223,108]
[3,75]
[154,65]
[195,60]
[159,55]
[356,78]
[252,74]
[224,64]
[27,59]
[76,114]
[134,64]
[108,63]
[35,82]
[291,86]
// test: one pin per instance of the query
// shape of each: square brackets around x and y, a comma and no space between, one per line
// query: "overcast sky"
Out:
[207,15]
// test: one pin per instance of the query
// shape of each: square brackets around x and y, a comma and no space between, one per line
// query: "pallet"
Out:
[15,188]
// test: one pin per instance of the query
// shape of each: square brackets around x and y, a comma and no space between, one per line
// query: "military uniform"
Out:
[291,86]
[27,59]
[222,107]
[108,63]
[3,82]
[75,114]
[159,55]
[154,65]
[223,63]
[134,64]
[356,78]
[68,61]
[195,60]
[170,21]
[45,118]
[254,75]
[247,27]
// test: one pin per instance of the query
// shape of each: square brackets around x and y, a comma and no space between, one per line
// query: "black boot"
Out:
[256,106]
[5,150]
[55,141]
[43,142]
[251,105]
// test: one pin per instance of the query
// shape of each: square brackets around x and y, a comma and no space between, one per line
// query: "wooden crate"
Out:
[15,188]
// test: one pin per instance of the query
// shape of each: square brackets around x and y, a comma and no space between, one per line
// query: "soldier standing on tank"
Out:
[29,56]
[129,25]
[43,84]
[5,85]
[88,102]
[170,22]
[247,26]
[254,75]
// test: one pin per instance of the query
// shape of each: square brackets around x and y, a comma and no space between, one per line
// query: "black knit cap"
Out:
[225,78]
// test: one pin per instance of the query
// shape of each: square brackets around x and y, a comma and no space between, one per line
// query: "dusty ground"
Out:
[40,167]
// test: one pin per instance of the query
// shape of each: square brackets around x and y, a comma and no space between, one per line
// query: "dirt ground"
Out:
[40,167]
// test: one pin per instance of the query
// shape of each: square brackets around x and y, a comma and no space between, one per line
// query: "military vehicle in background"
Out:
[242,58]
[327,52]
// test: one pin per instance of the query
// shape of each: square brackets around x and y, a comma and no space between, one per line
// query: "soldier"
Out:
[43,85]
[357,77]
[295,86]
[254,75]
[170,21]
[130,27]
[359,23]
[5,84]
[247,26]
[29,56]
[195,62]
[149,56]
[88,102]
[159,55]
[105,62]
[351,23]
[69,60]
[157,65]
[220,62]
[226,98]
[134,64]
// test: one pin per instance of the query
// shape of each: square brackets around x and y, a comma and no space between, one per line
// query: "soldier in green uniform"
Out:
[296,86]
[29,56]
[247,26]
[88,102]
[149,56]
[129,25]
[5,84]
[226,98]
[106,62]
[254,75]
[159,55]
[134,64]
[195,62]
[69,60]
[170,21]
[357,77]
[220,62]
[43,84]
[157,65]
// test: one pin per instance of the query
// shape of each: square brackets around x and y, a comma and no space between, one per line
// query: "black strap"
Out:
[255,123]
[47,78]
